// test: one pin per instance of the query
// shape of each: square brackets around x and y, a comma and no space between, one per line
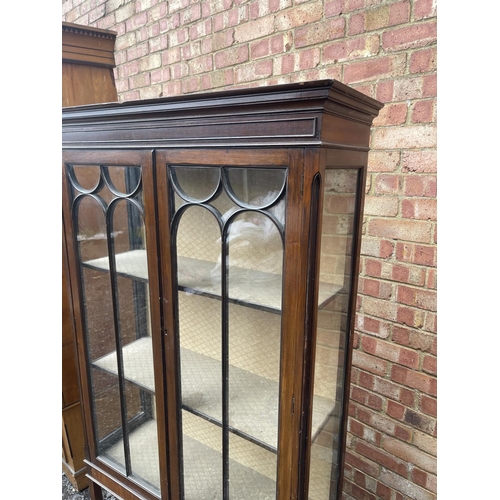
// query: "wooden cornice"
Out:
[284,115]
[87,45]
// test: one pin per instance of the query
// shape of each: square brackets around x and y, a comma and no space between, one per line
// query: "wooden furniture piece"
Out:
[87,77]
[213,244]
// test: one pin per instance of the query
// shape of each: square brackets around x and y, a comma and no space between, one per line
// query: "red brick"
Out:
[373,69]
[309,58]
[420,185]
[423,111]
[362,463]
[416,254]
[359,493]
[414,339]
[423,61]
[388,184]
[413,379]
[369,287]
[428,405]
[356,24]
[355,427]
[423,209]
[298,16]
[407,316]
[381,457]
[231,57]
[386,249]
[430,324]
[392,114]
[383,161]
[429,86]
[399,13]
[430,364]
[416,297]
[370,363]
[366,380]
[420,161]
[395,410]
[252,30]
[422,478]
[385,91]
[410,454]
[136,21]
[408,230]
[431,281]
[408,137]
[373,267]
[259,49]
[424,9]
[333,7]
[350,5]
[349,49]
[403,433]
[390,351]
[415,35]
[319,33]
[192,84]
[383,491]
[372,326]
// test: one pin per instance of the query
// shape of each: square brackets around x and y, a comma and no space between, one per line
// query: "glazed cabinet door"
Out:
[223,221]
[109,215]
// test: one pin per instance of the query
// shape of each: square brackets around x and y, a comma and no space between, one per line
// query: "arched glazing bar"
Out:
[220,272]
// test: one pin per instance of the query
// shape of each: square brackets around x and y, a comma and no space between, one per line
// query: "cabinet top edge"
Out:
[324,91]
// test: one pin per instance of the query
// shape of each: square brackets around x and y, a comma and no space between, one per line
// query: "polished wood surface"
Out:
[87,78]
[303,128]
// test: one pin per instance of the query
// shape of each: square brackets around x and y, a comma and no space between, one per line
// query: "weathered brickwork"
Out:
[387,50]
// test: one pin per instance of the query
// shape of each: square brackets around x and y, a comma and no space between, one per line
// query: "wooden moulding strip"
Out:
[86,45]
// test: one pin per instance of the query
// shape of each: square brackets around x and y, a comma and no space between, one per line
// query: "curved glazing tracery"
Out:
[228,236]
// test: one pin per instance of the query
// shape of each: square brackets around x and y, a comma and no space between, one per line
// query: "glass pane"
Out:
[229,275]
[93,243]
[195,183]
[122,180]
[255,245]
[118,324]
[134,329]
[198,246]
[340,189]
[85,178]
[256,187]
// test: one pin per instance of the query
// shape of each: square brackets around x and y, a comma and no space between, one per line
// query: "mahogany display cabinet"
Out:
[87,78]
[213,244]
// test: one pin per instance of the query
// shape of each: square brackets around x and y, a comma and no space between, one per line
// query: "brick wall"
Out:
[386,49]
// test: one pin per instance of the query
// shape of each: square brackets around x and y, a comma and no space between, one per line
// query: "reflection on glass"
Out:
[229,262]
[85,177]
[255,187]
[254,241]
[122,180]
[340,188]
[195,183]
[198,240]
[117,319]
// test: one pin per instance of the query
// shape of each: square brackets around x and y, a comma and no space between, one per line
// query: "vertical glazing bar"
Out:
[119,357]
[225,362]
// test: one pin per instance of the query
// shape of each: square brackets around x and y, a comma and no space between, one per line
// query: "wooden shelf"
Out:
[253,399]
[249,465]
[247,287]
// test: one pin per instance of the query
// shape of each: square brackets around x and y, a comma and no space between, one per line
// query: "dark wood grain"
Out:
[304,128]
